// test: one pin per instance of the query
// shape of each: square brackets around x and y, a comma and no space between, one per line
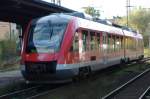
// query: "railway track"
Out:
[145,59]
[28,92]
[133,89]
[146,94]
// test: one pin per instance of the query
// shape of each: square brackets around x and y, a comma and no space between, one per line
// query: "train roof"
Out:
[89,24]
[132,34]
[98,26]
[53,18]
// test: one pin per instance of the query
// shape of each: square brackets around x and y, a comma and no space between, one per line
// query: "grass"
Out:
[9,65]
[147,52]
[8,55]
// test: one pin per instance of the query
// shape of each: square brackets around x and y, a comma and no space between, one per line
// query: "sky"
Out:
[108,8]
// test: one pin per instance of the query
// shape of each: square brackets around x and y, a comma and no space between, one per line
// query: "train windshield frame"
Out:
[46,35]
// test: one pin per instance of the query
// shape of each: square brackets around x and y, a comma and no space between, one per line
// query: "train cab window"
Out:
[46,35]
[75,45]
[92,42]
[84,40]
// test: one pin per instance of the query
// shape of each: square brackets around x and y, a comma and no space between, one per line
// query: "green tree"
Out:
[139,19]
[92,11]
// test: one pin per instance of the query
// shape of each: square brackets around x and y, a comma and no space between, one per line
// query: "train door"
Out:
[104,46]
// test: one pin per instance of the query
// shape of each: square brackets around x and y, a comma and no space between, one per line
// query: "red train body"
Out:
[59,47]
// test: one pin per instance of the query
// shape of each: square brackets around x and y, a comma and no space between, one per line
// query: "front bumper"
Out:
[59,75]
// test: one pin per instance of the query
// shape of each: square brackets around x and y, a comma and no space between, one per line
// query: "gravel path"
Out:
[14,73]
[9,77]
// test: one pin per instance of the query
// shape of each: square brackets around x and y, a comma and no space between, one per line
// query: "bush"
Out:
[7,50]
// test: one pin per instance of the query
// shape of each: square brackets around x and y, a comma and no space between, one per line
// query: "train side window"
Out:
[126,42]
[98,41]
[130,42]
[117,43]
[140,43]
[92,42]
[122,42]
[85,40]
[134,44]
[113,42]
[109,43]
[104,41]
[104,45]
[137,43]
[76,42]
[75,45]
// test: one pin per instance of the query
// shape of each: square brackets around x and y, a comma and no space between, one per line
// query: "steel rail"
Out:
[5,96]
[40,94]
[114,92]
[143,95]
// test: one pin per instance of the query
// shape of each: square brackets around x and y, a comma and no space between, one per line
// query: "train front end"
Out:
[44,48]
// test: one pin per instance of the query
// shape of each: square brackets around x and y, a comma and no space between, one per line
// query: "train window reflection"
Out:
[76,42]
[85,40]
[46,37]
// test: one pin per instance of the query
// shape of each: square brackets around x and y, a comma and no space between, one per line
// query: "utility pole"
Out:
[127,13]
[128,6]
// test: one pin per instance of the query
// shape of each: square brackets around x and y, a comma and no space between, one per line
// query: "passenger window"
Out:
[92,42]
[113,43]
[117,43]
[126,42]
[122,43]
[104,41]
[98,41]
[85,40]
[75,45]
[76,42]
[109,44]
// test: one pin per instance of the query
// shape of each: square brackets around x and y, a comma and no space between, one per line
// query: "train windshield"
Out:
[46,36]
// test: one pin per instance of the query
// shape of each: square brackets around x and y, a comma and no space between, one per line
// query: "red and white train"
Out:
[60,46]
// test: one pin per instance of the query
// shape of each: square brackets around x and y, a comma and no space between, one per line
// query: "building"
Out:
[7,30]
